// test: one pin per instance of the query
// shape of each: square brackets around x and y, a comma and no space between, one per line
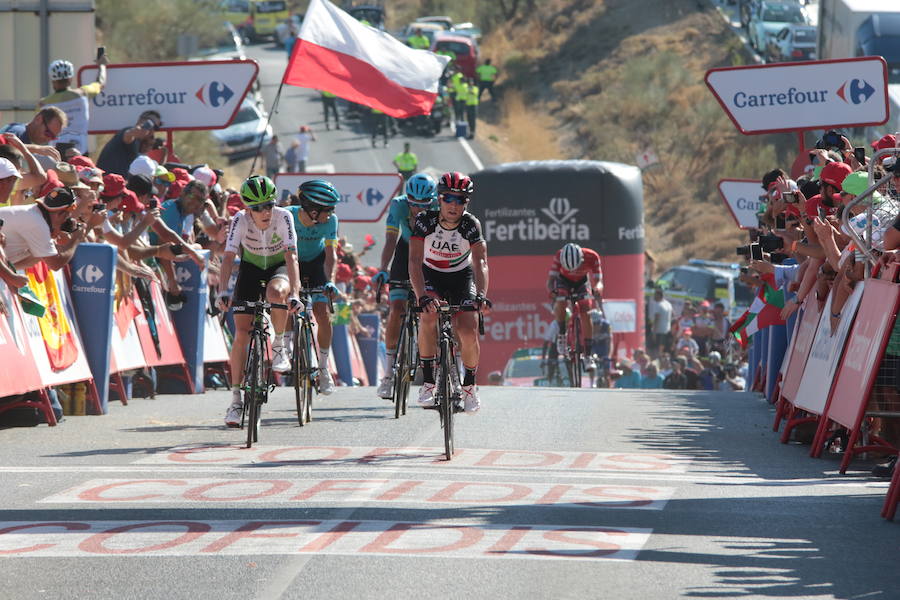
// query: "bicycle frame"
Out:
[575,350]
[304,372]
[405,364]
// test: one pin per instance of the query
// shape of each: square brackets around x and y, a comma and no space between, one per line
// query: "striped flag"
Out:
[765,311]
[336,53]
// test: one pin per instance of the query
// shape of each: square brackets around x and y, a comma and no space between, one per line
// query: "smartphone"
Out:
[822,213]
[1,223]
[101,50]
[153,203]
[100,206]
[780,222]
[860,154]
[177,249]
[756,252]
[813,158]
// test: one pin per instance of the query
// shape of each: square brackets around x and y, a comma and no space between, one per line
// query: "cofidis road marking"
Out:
[314,491]
[316,537]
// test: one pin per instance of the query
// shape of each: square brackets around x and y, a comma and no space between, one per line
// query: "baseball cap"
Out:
[68,175]
[181,174]
[8,169]
[113,185]
[143,165]
[140,184]
[362,282]
[90,175]
[688,331]
[60,198]
[834,173]
[130,202]
[886,141]
[206,175]
[344,273]
[855,183]
[84,161]
[163,173]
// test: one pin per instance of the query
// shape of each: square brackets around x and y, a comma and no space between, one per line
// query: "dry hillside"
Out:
[607,79]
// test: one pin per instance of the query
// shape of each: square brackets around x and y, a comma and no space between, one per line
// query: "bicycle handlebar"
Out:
[310,292]
[260,303]
[394,283]
[452,309]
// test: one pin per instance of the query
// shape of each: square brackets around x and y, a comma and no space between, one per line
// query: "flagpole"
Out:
[262,138]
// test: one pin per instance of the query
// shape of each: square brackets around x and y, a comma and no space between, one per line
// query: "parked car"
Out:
[771,17]
[706,280]
[243,136]
[255,19]
[465,49]
[468,30]
[227,44]
[372,13]
[792,43]
[283,29]
[444,21]
[524,367]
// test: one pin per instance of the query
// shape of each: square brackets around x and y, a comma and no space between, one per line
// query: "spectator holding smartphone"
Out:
[120,151]
[74,101]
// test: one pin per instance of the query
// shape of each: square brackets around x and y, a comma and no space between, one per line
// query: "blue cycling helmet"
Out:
[320,193]
[421,189]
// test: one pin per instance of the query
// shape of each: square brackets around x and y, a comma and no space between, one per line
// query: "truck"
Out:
[850,28]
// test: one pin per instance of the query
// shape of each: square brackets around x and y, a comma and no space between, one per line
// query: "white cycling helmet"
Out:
[61,69]
[571,257]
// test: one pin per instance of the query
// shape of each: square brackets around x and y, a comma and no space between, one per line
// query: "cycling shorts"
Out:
[456,287]
[567,287]
[312,274]
[400,269]
[248,288]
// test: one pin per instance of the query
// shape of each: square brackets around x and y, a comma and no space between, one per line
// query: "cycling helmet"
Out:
[319,193]
[571,257]
[61,69]
[258,189]
[455,182]
[420,189]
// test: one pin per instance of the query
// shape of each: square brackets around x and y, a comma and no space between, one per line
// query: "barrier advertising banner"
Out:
[19,373]
[364,196]
[849,92]
[93,267]
[156,330]
[621,314]
[190,321]
[825,354]
[188,95]
[742,197]
[800,345]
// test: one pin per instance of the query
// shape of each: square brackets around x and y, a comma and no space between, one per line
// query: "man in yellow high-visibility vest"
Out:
[487,75]
[471,97]
[418,41]
[406,162]
[329,103]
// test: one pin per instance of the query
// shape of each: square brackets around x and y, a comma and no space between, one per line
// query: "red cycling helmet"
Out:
[455,182]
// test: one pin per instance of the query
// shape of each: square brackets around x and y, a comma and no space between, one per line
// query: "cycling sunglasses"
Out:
[458,199]
[262,207]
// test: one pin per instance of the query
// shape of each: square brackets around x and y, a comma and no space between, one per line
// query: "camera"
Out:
[100,206]
[770,243]
[831,141]
[150,124]
[745,270]
[68,226]
[177,249]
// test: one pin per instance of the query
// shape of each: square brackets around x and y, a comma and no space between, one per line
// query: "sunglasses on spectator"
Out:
[262,207]
[48,133]
[454,198]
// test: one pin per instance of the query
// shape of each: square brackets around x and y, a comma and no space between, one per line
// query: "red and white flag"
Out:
[336,53]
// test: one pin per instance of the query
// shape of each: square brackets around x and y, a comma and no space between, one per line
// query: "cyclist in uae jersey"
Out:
[448,261]
[316,226]
[576,271]
[263,235]
[421,194]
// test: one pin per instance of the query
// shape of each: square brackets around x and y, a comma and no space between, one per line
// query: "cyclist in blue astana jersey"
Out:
[317,233]
[263,235]
[421,194]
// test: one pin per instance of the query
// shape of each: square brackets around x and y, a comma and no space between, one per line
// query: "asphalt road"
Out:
[349,150]
[552,494]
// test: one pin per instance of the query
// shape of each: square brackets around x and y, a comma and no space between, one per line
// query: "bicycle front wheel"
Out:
[401,374]
[309,372]
[252,400]
[577,351]
[297,367]
[446,400]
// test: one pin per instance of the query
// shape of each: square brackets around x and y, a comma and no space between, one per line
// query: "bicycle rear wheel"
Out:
[446,400]
[297,366]
[577,350]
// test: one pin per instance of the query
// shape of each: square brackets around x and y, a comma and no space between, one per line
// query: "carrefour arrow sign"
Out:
[188,95]
[364,196]
[849,92]
[742,197]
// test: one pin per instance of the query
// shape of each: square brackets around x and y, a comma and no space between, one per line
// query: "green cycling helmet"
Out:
[319,192]
[258,189]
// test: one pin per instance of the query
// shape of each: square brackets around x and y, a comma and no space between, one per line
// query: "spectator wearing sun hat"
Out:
[630,377]
[9,177]
[14,150]
[687,342]
[30,230]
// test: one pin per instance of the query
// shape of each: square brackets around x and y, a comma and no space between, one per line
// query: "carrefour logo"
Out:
[215,94]
[370,196]
[89,273]
[859,89]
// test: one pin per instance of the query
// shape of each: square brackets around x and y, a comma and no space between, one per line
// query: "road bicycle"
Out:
[304,356]
[574,351]
[406,359]
[257,370]
[448,388]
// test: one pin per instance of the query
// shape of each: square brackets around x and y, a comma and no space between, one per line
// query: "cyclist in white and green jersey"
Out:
[317,234]
[263,236]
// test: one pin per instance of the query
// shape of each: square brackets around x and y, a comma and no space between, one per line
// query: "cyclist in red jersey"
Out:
[576,270]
